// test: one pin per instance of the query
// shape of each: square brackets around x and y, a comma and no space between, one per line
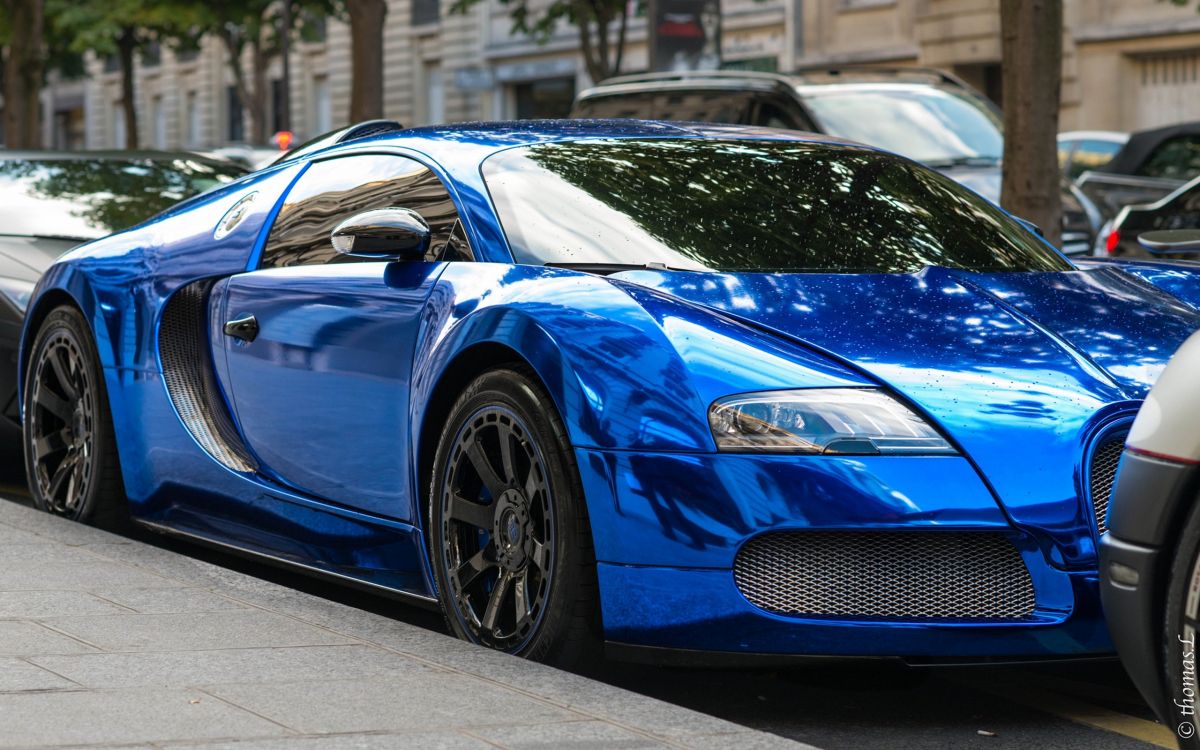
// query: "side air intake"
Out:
[188,374]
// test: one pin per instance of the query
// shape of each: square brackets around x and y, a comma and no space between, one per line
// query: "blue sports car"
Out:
[680,391]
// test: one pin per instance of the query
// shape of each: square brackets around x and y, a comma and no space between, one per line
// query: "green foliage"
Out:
[97,25]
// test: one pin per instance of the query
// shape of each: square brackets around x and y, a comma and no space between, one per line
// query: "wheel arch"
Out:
[47,301]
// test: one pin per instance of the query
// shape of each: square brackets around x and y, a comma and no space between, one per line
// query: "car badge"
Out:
[234,216]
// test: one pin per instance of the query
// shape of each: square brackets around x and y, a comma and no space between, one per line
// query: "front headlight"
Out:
[838,421]
[17,292]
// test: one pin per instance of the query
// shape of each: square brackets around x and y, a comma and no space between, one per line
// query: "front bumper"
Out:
[668,528]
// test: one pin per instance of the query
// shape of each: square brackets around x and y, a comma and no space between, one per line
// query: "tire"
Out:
[510,542]
[1181,628]
[70,452]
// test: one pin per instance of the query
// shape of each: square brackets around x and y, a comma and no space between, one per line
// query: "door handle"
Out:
[244,328]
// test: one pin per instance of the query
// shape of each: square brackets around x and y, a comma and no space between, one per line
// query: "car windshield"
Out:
[937,126]
[771,206]
[86,198]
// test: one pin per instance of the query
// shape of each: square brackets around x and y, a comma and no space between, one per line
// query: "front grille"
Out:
[1102,473]
[886,575]
[188,373]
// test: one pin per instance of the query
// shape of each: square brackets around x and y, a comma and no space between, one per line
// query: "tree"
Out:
[593,19]
[1031,38]
[366,43]
[120,28]
[24,70]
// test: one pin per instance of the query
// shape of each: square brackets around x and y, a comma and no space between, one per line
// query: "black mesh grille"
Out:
[889,575]
[1101,475]
[187,372]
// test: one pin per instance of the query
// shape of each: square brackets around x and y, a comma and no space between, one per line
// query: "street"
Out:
[854,705]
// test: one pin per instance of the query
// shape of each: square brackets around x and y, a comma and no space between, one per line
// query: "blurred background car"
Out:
[1150,559]
[1179,210]
[52,201]
[1150,165]
[927,115]
[246,155]
[1082,150]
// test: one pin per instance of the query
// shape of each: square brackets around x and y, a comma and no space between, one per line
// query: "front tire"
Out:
[70,452]
[510,541]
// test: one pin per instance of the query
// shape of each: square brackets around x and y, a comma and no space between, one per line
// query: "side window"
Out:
[336,189]
[776,113]
[639,106]
[1176,159]
[1092,154]
[699,105]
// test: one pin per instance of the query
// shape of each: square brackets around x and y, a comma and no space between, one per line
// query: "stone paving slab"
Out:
[106,641]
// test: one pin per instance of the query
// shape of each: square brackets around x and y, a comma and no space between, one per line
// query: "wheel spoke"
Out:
[539,556]
[62,371]
[65,470]
[470,570]
[50,401]
[488,621]
[50,444]
[483,468]
[471,513]
[520,598]
[531,482]
[506,458]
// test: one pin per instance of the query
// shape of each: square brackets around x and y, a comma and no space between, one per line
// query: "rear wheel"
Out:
[70,452]
[509,533]
[1182,625]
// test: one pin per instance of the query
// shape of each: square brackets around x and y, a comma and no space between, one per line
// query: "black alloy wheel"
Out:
[510,540]
[70,453]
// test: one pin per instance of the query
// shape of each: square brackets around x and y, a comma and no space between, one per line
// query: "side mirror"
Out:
[383,234]
[1167,241]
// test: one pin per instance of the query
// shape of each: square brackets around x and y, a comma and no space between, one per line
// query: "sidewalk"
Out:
[108,641]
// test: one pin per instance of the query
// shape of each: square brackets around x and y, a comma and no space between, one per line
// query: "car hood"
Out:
[27,258]
[1022,370]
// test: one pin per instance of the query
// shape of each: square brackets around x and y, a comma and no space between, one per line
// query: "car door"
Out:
[319,355]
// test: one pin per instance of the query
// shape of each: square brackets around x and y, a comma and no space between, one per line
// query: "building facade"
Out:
[1128,64]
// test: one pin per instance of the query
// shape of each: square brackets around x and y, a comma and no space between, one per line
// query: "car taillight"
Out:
[1114,239]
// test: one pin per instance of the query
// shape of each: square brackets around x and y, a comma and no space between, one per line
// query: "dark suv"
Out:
[927,115]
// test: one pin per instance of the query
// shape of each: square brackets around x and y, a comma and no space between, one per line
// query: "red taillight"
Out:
[1114,239]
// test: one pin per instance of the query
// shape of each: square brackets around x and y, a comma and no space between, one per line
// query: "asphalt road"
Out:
[1088,705]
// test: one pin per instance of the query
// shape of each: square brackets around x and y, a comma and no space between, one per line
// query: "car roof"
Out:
[1142,143]
[1112,136]
[824,76]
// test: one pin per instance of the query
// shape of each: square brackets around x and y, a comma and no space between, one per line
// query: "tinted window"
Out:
[332,191]
[748,206]
[934,125]
[1092,154]
[89,198]
[625,106]
[1175,159]
[692,105]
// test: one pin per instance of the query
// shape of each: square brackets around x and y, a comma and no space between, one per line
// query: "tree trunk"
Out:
[366,41]
[23,71]
[257,108]
[234,59]
[1031,32]
[126,44]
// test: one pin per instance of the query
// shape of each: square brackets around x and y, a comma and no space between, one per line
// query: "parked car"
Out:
[52,201]
[1151,165]
[1179,210]
[927,115]
[1150,559]
[246,155]
[687,391]
[1082,150]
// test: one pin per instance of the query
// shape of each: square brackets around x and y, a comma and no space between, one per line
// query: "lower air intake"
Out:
[885,575]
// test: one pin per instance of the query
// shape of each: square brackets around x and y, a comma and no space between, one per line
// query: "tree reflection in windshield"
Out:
[748,206]
[92,197]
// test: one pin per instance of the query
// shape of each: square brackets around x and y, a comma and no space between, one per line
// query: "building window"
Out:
[322,108]
[151,54]
[118,125]
[236,122]
[425,12]
[549,98]
[314,28]
[435,94]
[192,115]
[112,63]
[158,121]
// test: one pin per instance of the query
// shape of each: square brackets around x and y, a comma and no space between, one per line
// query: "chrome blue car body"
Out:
[338,403]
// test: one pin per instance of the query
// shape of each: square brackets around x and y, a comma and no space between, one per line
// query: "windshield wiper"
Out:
[605,269]
[963,161]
